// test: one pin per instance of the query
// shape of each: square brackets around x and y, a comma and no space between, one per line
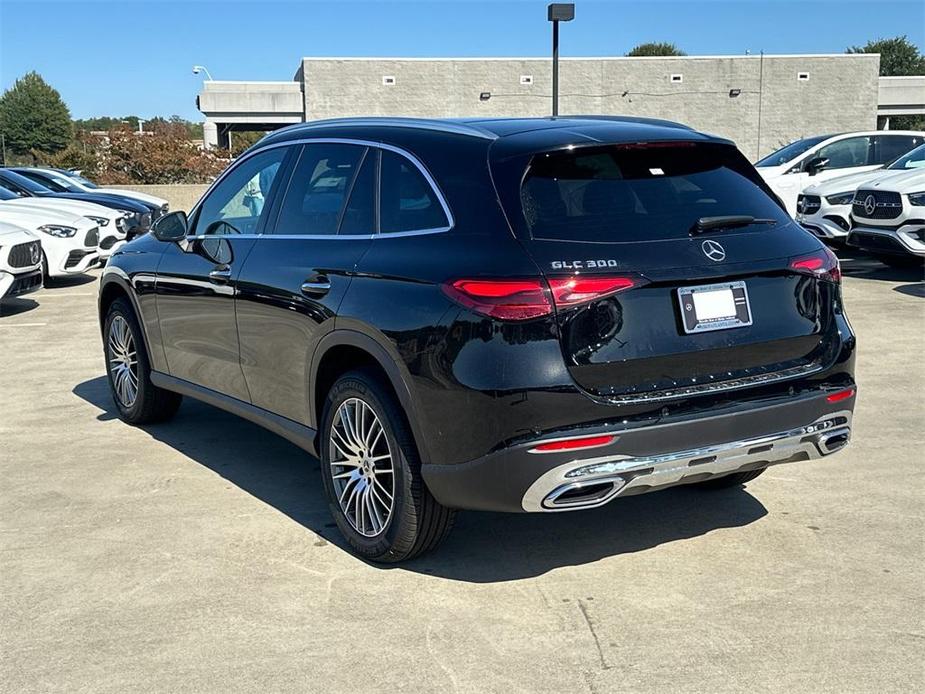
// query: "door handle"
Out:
[317,286]
[220,275]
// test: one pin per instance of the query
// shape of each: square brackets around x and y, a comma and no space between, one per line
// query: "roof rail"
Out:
[396,122]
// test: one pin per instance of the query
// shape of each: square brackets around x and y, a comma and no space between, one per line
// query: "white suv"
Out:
[790,169]
[825,208]
[889,218]
[69,242]
[20,261]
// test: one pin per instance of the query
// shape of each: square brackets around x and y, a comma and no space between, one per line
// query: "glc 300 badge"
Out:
[582,264]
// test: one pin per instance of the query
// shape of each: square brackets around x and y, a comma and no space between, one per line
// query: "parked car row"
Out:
[866,190]
[48,232]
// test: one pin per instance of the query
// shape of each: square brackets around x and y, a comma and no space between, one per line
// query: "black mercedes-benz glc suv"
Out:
[510,315]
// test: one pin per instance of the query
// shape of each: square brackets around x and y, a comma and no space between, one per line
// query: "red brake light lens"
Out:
[822,264]
[533,298]
[573,444]
[502,299]
[840,395]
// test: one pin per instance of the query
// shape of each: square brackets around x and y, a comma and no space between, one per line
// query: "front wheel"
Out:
[137,399]
[372,474]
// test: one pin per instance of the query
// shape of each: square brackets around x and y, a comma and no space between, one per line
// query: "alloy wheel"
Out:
[123,361]
[362,467]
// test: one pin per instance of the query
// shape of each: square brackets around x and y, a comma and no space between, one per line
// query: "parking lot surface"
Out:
[199,555]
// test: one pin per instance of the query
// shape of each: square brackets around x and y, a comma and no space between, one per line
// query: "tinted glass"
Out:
[844,154]
[406,199]
[44,181]
[18,182]
[791,151]
[318,188]
[638,194]
[360,212]
[7,194]
[913,160]
[889,147]
[235,206]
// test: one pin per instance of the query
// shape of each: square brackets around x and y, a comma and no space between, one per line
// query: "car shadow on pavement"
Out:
[483,547]
[862,266]
[69,281]
[15,306]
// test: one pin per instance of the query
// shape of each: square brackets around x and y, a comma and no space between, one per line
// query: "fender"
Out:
[390,361]
[116,275]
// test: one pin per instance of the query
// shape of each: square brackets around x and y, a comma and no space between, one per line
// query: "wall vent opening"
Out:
[388,80]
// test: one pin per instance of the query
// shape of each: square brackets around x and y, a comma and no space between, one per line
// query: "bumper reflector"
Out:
[841,395]
[574,444]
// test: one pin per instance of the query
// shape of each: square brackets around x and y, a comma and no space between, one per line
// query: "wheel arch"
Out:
[112,287]
[344,350]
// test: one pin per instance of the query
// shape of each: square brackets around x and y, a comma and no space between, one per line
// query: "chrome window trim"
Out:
[343,141]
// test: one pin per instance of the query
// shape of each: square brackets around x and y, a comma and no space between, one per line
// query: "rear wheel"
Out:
[137,399]
[372,474]
[734,480]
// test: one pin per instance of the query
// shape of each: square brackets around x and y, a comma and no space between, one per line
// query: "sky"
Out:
[134,57]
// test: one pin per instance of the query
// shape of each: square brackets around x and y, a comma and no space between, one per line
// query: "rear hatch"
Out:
[657,298]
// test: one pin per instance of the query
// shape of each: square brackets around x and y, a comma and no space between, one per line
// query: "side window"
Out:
[890,147]
[236,204]
[318,189]
[360,213]
[407,202]
[846,153]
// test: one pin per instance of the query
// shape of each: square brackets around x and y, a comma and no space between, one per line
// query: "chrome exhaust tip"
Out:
[833,441]
[584,494]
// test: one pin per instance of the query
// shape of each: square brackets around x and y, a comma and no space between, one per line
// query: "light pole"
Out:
[557,12]
[202,68]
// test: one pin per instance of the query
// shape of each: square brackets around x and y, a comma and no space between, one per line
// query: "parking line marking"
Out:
[22,325]
[55,296]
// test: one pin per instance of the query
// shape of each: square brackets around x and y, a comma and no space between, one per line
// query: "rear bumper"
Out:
[646,458]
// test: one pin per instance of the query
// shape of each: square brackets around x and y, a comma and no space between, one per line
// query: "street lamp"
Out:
[202,68]
[557,12]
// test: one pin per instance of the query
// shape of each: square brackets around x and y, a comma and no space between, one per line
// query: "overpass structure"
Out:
[760,101]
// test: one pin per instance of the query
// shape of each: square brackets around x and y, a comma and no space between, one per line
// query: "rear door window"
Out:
[639,192]
[890,147]
[318,189]
[848,153]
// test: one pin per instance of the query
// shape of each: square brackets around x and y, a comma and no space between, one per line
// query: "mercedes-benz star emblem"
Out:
[34,253]
[713,251]
[870,204]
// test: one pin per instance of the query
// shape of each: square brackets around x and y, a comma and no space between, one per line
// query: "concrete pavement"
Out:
[199,556]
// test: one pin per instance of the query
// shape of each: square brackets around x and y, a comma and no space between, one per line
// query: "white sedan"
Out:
[825,208]
[20,261]
[69,242]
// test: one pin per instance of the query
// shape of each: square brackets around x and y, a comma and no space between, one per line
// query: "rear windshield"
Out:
[638,192]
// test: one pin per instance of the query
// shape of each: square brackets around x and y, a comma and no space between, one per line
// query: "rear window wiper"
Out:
[731,221]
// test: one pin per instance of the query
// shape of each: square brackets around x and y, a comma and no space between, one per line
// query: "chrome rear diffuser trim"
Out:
[606,478]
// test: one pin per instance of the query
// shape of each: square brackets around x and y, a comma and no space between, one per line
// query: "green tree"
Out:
[899,57]
[649,49]
[33,118]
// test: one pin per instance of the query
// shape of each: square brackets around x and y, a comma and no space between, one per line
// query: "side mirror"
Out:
[171,227]
[815,165]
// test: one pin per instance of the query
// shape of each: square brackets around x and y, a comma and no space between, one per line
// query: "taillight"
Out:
[822,264]
[533,298]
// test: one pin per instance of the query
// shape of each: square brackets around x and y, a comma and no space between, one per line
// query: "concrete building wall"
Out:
[840,94]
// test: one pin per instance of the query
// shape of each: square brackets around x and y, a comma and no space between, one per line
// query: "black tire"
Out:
[151,404]
[417,523]
[736,479]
